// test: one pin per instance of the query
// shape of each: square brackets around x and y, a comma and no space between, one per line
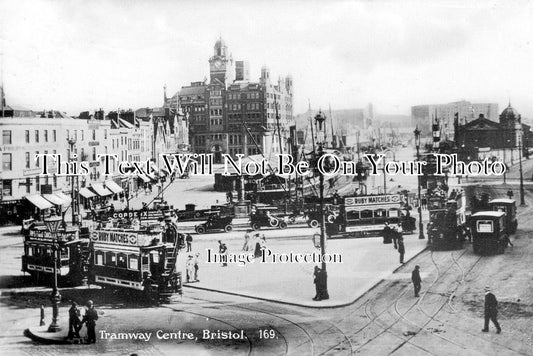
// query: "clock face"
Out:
[218,63]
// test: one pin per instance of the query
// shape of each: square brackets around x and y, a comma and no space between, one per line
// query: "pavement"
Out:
[364,263]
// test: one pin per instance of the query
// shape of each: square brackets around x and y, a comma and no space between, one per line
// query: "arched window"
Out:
[110,259]
[99,258]
[366,214]
[122,260]
[352,215]
[133,262]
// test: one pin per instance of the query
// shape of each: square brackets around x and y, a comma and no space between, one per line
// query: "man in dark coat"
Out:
[223,251]
[189,242]
[90,320]
[74,322]
[401,248]
[387,231]
[491,311]
[316,282]
[417,281]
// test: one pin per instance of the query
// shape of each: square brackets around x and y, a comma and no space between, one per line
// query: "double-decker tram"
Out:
[364,216]
[137,259]
[447,222]
[71,246]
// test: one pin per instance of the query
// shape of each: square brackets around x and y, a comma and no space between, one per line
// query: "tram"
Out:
[508,206]
[71,246]
[365,216]
[447,222]
[137,258]
[489,234]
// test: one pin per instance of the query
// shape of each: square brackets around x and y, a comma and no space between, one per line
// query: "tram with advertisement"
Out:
[447,222]
[365,216]
[142,259]
[71,246]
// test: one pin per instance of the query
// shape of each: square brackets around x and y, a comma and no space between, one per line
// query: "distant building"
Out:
[231,114]
[424,116]
[483,138]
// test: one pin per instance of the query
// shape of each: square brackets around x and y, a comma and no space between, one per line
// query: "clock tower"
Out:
[221,65]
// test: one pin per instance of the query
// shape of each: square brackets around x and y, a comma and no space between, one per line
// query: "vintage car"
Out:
[508,206]
[489,233]
[264,217]
[215,221]
[314,216]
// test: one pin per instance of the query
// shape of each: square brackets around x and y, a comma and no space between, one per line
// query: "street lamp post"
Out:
[420,225]
[522,201]
[323,277]
[52,224]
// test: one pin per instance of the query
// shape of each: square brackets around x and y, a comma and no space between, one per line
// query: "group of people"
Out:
[79,316]
[256,243]
[394,235]
[192,268]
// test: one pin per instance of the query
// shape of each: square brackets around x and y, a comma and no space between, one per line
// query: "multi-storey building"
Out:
[424,115]
[231,114]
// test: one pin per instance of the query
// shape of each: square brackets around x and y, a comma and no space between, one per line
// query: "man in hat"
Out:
[401,248]
[491,311]
[74,322]
[90,320]
[189,242]
[190,269]
[223,251]
[417,281]
[196,267]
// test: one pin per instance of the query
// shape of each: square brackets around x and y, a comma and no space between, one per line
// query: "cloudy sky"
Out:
[77,55]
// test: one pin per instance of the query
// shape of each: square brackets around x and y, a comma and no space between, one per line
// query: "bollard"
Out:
[42,316]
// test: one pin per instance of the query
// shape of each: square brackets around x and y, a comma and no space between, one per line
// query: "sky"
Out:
[75,55]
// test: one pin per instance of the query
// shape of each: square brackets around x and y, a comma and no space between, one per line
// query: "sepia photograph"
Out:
[307,178]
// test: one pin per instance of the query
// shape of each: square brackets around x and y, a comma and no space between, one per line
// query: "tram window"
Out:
[155,257]
[37,251]
[352,215]
[121,260]
[99,258]
[145,260]
[110,259]
[394,213]
[29,251]
[380,213]
[64,253]
[48,251]
[366,214]
[133,262]
[484,226]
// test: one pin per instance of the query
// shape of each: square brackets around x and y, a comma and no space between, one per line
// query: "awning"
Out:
[101,190]
[144,178]
[54,199]
[64,197]
[39,201]
[86,193]
[114,187]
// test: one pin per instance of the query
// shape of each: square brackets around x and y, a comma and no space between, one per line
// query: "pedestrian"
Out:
[417,281]
[394,235]
[491,311]
[196,267]
[223,251]
[246,246]
[89,319]
[147,284]
[189,242]
[189,267]
[316,276]
[386,233]
[257,251]
[74,322]
[401,248]
[508,241]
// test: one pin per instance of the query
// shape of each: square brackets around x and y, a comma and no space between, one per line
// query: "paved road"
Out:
[388,320]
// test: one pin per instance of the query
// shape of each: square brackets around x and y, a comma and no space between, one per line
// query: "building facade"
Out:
[424,116]
[229,114]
